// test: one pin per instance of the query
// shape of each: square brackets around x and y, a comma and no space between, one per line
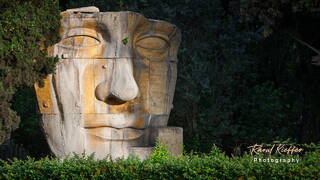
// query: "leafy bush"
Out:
[27,28]
[215,165]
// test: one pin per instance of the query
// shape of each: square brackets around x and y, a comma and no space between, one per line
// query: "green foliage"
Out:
[214,165]
[125,41]
[263,108]
[160,153]
[271,14]
[29,133]
[27,28]
[286,64]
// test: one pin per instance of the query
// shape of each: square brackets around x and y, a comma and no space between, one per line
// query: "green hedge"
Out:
[160,165]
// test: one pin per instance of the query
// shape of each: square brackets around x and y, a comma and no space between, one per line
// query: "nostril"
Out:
[103,94]
[113,100]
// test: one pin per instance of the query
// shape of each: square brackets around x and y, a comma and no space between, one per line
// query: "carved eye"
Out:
[80,41]
[152,47]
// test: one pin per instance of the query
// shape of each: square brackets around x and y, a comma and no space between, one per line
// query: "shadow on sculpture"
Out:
[113,88]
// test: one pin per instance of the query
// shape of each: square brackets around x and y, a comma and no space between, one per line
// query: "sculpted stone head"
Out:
[114,82]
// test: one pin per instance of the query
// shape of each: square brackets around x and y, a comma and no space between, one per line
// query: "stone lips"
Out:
[113,134]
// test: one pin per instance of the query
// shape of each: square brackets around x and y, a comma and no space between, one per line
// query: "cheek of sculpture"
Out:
[161,93]
[159,73]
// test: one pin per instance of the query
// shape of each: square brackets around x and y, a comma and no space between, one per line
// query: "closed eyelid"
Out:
[83,32]
[153,35]
[152,45]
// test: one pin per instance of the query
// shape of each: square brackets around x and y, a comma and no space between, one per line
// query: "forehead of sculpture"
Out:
[126,20]
[110,29]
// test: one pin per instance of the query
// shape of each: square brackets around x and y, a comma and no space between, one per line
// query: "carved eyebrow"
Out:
[163,27]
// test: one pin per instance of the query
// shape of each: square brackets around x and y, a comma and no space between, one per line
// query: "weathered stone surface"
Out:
[115,80]
[84,9]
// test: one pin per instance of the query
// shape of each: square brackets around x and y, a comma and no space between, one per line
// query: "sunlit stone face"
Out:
[115,80]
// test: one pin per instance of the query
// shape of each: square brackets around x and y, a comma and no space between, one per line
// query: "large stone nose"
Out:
[120,85]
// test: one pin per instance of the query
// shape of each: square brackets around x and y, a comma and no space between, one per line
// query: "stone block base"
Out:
[170,136]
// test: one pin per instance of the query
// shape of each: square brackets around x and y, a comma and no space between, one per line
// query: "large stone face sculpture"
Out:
[113,88]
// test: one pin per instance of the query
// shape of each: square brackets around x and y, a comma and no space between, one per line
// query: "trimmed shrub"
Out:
[160,165]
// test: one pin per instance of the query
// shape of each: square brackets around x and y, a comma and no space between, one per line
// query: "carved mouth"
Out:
[117,121]
[113,134]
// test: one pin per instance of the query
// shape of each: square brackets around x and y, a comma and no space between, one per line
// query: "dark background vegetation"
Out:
[27,28]
[242,76]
